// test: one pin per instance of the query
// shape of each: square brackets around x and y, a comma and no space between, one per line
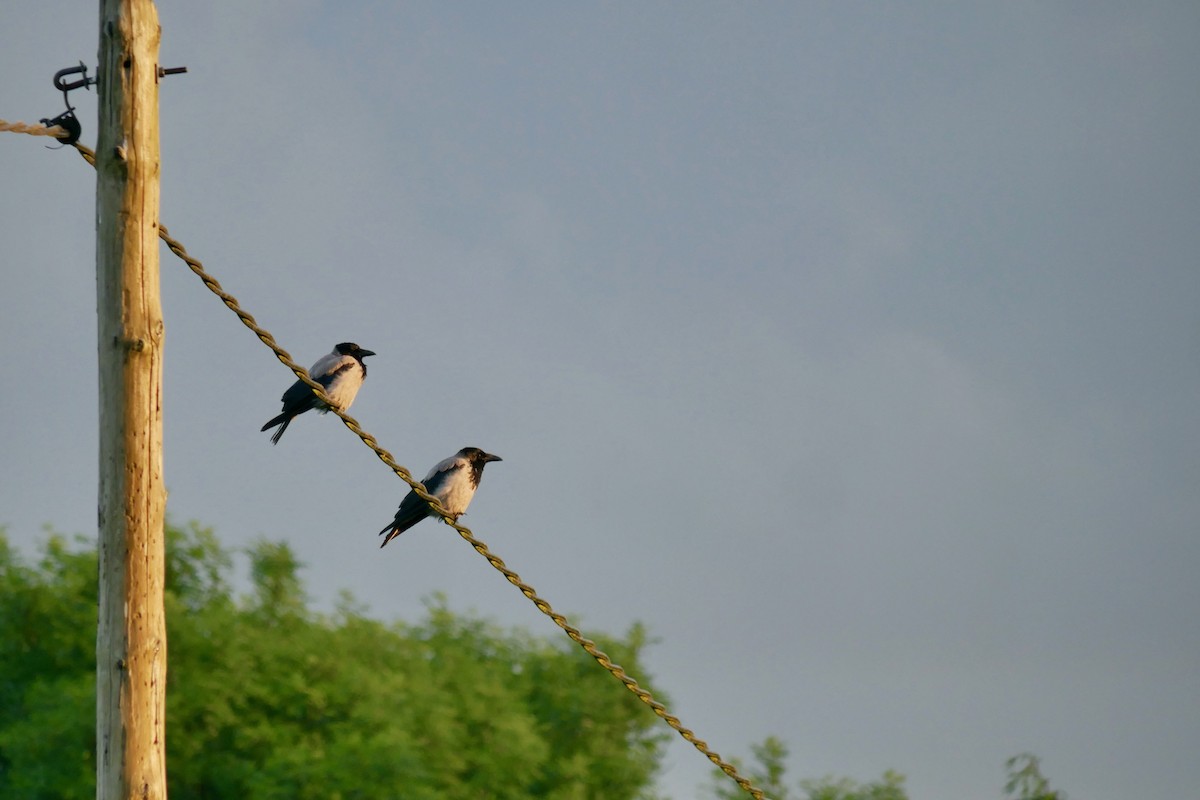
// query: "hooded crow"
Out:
[341,373]
[453,482]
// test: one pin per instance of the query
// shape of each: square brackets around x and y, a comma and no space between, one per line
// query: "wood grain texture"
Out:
[131,640]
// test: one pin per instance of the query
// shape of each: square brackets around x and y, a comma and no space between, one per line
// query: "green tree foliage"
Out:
[47,685]
[888,787]
[768,775]
[1025,780]
[268,699]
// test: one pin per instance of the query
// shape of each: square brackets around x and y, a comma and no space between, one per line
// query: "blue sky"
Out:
[852,348]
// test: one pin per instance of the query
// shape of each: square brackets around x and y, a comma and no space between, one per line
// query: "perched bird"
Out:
[453,482]
[340,373]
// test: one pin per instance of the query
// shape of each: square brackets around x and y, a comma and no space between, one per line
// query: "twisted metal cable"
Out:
[542,605]
[32,130]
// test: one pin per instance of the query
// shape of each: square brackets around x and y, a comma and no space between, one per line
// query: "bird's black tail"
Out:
[396,528]
[283,420]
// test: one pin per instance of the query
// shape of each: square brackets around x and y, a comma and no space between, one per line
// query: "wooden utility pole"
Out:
[131,640]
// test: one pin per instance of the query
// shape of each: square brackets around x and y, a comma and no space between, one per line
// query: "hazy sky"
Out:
[854,348]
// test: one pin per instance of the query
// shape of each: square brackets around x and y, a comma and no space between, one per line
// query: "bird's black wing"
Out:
[296,400]
[412,508]
[300,397]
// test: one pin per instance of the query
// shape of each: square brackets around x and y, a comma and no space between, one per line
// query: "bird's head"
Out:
[477,456]
[351,349]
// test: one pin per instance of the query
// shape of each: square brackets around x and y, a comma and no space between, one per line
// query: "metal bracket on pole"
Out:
[67,120]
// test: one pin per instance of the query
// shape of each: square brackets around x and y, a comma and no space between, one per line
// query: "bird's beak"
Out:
[489,457]
[365,353]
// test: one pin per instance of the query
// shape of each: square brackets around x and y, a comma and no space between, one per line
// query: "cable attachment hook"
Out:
[65,87]
[67,120]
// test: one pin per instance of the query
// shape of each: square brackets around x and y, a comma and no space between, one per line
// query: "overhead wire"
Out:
[32,130]
[405,475]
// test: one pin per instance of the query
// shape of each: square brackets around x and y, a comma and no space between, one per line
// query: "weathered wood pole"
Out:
[131,639]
